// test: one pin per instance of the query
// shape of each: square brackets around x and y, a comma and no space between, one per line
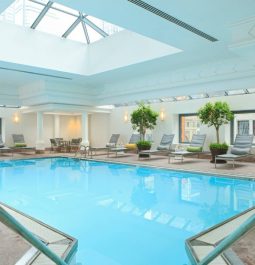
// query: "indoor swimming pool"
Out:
[122,214]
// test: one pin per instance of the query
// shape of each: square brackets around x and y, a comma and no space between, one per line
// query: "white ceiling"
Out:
[200,62]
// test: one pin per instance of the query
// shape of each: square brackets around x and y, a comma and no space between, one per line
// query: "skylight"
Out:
[181,98]
[57,19]
[106,107]
[199,96]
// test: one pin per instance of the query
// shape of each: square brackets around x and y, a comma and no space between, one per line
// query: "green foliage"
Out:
[143,118]
[143,145]
[223,146]
[215,114]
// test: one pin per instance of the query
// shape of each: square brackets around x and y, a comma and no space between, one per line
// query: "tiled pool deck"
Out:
[242,169]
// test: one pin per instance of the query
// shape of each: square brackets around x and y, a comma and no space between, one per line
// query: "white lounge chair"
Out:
[241,149]
[195,148]
[164,146]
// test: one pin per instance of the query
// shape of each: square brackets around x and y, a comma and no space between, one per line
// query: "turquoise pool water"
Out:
[122,215]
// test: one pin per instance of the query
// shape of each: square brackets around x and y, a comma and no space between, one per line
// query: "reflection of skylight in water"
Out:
[57,20]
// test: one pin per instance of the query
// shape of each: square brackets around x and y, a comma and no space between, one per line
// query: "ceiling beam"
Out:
[42,14]
[94,26]
[85,30]
[72,27]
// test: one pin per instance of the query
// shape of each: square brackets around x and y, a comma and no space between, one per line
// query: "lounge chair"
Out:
[241,149]
[131,146]
[113,140]
[132,142]
[195,148]
[111,144]
[164,146]
[20,144]
[3,147]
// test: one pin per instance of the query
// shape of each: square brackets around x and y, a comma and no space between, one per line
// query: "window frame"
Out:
[232,123]
[180,127]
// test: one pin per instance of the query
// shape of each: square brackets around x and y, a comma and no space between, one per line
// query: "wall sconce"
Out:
[16,118]
[126,116]
[162,115]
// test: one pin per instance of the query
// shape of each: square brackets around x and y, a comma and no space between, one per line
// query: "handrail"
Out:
[14,225]
[229,240]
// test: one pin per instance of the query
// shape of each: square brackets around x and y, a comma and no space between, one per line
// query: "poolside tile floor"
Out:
[60,243]
[242,169]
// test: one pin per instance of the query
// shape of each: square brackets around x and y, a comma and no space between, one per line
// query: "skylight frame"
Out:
[80,18]
[61,18]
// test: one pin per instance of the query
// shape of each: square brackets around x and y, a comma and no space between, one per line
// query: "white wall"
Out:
[99,129]
[171,122]
[70,126]
[102,125]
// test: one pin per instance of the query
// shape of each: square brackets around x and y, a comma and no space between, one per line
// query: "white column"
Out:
[39,134]
[84,128]
[56,126]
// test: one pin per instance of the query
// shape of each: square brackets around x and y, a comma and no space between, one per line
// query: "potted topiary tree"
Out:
[216,114]
[142,119]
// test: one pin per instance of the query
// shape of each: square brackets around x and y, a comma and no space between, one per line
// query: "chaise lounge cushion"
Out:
[194,149]
[162,147]
[20,145]
[110,145]
[240,151]
[131,146]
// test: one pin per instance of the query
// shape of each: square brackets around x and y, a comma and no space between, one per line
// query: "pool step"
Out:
[60,243]
[202,244]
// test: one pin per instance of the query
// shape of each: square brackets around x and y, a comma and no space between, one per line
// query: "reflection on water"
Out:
[122,214]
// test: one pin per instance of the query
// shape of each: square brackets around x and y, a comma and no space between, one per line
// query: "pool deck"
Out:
[15,250]
[241,170]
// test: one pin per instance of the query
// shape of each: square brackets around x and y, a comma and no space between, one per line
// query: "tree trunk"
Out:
[218,135]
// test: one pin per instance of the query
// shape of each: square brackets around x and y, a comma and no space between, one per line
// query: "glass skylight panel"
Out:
[66,9]
[154,100]
[218,94]
[105,26]
[199,96]
[169,99]
[57,19]
[77,34]
[56,22]
[93,35]
[22,13]
[236,92]
[106,107]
